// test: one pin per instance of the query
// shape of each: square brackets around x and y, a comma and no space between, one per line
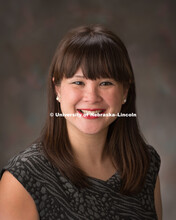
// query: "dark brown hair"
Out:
[99,53]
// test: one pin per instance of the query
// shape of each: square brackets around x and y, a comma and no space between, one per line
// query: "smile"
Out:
[91,113]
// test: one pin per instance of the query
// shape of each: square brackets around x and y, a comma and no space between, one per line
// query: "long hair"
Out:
[99,53]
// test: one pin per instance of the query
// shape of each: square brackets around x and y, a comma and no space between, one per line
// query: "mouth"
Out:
[91,113]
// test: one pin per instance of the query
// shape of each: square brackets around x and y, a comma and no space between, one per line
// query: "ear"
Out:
[125,93]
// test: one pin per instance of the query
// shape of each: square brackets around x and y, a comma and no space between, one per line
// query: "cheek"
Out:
[69,95]
[114,98]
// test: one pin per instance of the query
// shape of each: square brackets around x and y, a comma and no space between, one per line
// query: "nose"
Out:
[92,94]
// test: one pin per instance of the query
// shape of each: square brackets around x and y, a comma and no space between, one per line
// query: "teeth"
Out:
[91,112]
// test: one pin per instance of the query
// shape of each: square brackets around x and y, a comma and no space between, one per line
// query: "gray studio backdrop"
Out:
[30,32]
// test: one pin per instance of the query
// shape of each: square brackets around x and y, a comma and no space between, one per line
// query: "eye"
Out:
[106,83]
[78,83]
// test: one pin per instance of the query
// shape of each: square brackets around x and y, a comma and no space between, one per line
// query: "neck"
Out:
[88,148]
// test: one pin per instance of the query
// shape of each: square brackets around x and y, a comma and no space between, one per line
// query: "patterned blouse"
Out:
[56,198]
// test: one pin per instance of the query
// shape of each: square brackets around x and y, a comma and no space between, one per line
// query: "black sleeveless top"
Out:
[56,198]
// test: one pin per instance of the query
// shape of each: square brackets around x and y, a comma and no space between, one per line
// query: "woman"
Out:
[89,163]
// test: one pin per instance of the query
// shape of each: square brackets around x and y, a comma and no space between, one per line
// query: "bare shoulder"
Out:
[15,202]
[158,202]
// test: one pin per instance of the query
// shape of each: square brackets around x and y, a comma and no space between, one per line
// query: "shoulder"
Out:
[31,160]
[32,169]
[15,202]
[31,172]
[17,185]
[30,166]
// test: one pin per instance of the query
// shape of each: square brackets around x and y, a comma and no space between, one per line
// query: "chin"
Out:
[91,131]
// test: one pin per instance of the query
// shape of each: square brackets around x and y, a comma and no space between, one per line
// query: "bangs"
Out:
[97,55]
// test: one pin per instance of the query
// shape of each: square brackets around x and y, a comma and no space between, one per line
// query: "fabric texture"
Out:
[56,198]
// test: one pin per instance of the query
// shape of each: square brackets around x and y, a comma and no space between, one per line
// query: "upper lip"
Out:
[92,109]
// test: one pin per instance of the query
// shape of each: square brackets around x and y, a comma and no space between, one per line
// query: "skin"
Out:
[15,201]
[90,94]
[158,201]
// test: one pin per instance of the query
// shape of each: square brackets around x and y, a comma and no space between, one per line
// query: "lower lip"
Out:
[90,116]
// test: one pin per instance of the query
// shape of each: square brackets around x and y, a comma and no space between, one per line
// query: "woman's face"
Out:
[85,97]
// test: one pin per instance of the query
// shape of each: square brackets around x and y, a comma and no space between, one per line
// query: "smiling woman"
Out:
[86,167]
